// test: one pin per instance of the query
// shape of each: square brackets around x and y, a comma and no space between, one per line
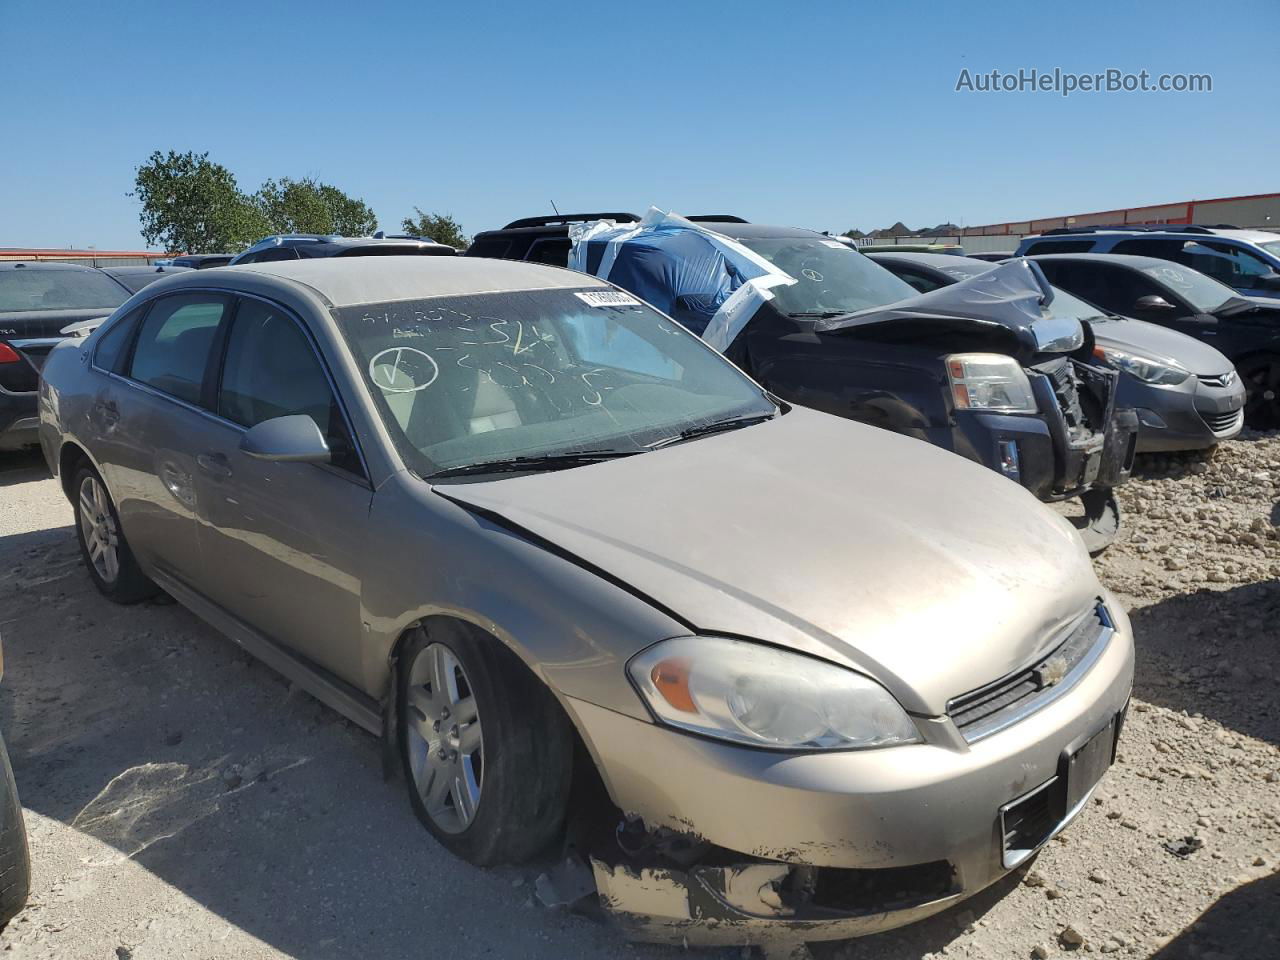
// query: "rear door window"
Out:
[175,343]
[496,247]
[553,251]
[271,254]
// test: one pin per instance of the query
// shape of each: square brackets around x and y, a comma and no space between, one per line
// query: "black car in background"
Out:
[1065,439]
[304,246]
[1186,393]
[38,299]
[1245,329]
[201,261]
[537,239]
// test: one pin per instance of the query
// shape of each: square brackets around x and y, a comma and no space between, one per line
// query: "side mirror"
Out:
[1267,281]
[1153,301]
[294,439]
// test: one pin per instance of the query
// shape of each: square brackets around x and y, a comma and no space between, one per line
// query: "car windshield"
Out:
[966,270]
[1067,305]
[35,289]
[1203,293]
[831,277]
[468,380]
[1270,246]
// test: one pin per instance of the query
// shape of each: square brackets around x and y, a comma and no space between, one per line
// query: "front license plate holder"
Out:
[1032,820]
[1086,765]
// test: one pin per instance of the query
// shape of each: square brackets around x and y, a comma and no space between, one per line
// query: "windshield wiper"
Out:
[821,314]
[550,461]
[715,426]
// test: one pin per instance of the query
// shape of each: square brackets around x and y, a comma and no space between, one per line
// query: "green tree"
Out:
[307,206]
[192,205]
[440,227]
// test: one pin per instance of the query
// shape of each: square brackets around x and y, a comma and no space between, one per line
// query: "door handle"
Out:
[214,464]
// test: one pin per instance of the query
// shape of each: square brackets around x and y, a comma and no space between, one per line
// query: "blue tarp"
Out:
[710,283]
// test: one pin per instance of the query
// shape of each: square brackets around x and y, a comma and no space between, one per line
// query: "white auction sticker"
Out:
[607,298]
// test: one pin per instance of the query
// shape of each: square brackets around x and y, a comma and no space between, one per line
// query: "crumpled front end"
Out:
[727,844]
[1094,443]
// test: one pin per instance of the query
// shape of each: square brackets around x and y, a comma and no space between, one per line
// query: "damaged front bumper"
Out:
[831,845]
[1079,441]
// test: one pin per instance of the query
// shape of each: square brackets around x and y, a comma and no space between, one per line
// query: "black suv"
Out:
[848,337]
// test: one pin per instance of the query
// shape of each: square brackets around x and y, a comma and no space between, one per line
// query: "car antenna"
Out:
[555,208]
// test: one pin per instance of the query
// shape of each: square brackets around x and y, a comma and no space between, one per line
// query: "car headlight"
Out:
[755,694]
[989,381]
[1146,369]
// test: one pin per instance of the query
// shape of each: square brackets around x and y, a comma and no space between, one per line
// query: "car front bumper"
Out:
[905,831]
[1191,415]
[18,419]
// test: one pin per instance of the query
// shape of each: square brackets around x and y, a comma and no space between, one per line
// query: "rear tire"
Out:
[1100,524]
[487,750]
[103,546]
[15,861]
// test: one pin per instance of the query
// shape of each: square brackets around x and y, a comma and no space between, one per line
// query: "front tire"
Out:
[103,547]
[487,750]
[15,861]
[1261,376]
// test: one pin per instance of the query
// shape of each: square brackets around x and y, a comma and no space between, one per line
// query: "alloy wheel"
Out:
[101,538]
[445,745]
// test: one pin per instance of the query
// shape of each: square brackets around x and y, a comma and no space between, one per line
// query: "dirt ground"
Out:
[183,801]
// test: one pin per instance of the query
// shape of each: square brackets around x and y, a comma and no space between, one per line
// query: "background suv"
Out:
[1245,260]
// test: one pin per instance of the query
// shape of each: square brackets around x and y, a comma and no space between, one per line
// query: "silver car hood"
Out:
[929,572]
[1160,343]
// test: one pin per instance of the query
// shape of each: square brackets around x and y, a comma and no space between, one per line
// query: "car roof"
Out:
[345,282]
[757,231]
[1120,259]
[938,260]
[332,240]
[1249,236]
[45,265]
[145,268]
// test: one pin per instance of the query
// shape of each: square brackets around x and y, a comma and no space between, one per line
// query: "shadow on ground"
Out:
[22,466]
[1239,925]
[1223,666]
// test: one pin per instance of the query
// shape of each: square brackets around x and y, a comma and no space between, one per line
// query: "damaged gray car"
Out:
[780,675]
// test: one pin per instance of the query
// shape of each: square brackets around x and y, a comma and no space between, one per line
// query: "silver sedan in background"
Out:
[1186,393]
[822,679]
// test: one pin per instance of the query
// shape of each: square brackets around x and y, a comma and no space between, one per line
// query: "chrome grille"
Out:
[1220,380]
[989,709]
[1222,422]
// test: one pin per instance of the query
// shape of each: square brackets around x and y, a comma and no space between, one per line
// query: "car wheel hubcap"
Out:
[101,539]
[446,749]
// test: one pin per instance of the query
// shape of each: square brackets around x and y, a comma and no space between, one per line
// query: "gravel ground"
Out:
[183,801]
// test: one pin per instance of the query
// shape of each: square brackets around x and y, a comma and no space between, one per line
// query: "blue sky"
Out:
[819,114]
